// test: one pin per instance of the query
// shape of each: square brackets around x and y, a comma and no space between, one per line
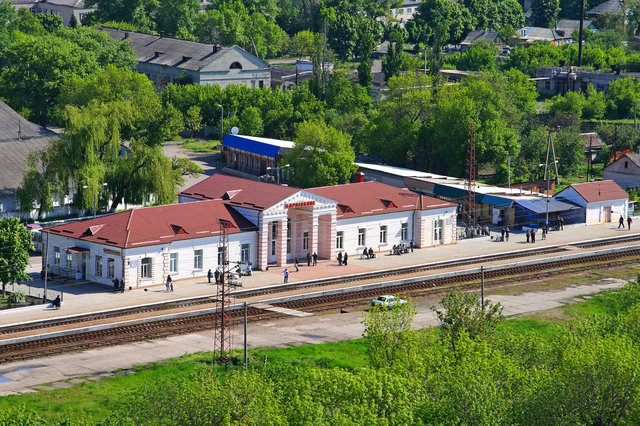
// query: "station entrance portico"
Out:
[303,223]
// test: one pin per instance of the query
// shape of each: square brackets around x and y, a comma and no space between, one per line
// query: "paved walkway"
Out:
[68,369]
[91,298]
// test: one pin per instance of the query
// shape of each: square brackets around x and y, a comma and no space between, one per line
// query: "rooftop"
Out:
[239,192]
[262,146]
[397,171]
[156,225]
[371,198]
[603,190]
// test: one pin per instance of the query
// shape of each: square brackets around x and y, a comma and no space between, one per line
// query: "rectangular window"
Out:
[288,236]
[197,259]
[56,255]
[173,262]
[69,259]
[98,266]
[222,256]
[339,240]
[245,252]
[404,231]
[305,241]
[383,235]
[362,237]
[111,267]
[146,268]
[437,230]
[274,237]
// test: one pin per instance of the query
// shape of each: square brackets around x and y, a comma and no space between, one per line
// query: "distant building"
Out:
[625,171]
[406,11]
[603,201]
[531,35]
[165,60]
[566,27]
[62,8]
[610,6]
[477,35]
[254,155]
[551,81]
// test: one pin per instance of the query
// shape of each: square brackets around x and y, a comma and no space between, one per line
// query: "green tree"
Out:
[193,121]
[569,151]
[533,149]
[439,20]
[463,313]
[177,17]
[50,23]
[595,105]
[388,335]
[39,184]
[394,59]
[570,103]
[544,12]
[479,57]
[15,244]
[305,43]
[321,156]
[137,12]
[251,122]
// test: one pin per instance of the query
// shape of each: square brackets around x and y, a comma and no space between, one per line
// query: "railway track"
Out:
[163,326]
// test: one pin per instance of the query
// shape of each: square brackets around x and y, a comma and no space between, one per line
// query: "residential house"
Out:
[405,12]
[609,6]
[165,60]
[592,146]
[603,201]
[625,171]
[62,8]
[477,35]
[566,27]
[531,35]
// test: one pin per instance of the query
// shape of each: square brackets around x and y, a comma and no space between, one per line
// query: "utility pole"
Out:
[470,212]
[509,171]
[246,358]
[482,286]
[580,36]
[221,122]
[635,124]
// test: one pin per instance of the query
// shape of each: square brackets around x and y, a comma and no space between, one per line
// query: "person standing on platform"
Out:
[286,276]
[506,233]
[560,222]
[502,234]
[315,259]
[209,275]
[169,283]
[216,275]
[533,235]
[308,259]
[629,221]
[296,265]
[621,222]
[339,258]
[345,258]
[411,246]
[115,284]
[122,285]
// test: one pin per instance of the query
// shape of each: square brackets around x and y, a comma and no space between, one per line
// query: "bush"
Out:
[17,297]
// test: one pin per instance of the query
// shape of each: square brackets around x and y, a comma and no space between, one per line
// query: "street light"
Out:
[221,122]
[95,198]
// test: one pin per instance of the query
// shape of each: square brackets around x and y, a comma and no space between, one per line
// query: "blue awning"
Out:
[453,192]
[260,146]
[497,201]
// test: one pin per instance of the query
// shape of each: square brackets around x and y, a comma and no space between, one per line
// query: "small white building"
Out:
[603,201]
[268,224]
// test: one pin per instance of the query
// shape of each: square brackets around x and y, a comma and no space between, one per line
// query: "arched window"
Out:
[235,66]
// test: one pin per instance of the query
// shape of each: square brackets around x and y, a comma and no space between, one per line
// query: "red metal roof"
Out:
[599,191]
[156,225]
[371,198]
[239,192]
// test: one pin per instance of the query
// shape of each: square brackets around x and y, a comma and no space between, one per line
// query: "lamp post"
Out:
[95,198]
[277,169]
[221,122]
[548,173]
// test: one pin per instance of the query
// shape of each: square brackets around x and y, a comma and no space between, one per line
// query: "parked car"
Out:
[388,301]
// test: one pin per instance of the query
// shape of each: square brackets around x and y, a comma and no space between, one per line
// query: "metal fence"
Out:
[35,291]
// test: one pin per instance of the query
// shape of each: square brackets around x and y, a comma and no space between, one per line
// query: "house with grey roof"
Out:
[566,27]
[625,171]
[477,35]
[611,6]
[530,35]
[165,60]
[18,139]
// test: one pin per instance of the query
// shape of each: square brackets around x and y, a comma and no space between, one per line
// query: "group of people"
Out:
[531,235]
[621,222]
[215,275]
[368,253]
[118,285]
[402,248]
[342,259]
[312,258]
[169,283]
[504,233]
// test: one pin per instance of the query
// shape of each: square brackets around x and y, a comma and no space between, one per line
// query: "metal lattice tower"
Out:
[222,333]
[470,183]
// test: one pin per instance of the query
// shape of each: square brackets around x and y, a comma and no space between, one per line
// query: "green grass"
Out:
[200,146]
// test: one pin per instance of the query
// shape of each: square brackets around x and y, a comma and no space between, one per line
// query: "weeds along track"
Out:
[165,324]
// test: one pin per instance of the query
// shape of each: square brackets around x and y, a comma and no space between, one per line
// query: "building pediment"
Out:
[302,200]
[235,59]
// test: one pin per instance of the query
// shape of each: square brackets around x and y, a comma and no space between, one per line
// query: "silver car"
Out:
[388,301]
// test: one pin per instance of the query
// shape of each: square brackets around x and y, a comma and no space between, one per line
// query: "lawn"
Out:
[97,398]
[200,145]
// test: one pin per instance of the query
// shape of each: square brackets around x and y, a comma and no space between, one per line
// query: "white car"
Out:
[388,301]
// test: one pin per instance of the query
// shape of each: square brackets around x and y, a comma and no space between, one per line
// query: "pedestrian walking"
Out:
[629,221]
[528,235]
[507,233]
[533,235]
[121,285]
[339,258]
[502,234]
[169,283]
[411,246]
[286,276]
[621,222]
[216,274]
[115,284]
[560,222]
[345,258]
[315,258]
[308,259]
[209,275]
[296,265]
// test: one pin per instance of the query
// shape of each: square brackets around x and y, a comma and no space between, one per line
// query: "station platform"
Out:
[87,298]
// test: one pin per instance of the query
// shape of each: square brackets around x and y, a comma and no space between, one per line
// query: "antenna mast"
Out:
[222,333]
[470,210]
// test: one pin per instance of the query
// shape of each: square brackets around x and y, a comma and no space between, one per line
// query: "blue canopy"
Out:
[497,201]
[540,205]
[260,146]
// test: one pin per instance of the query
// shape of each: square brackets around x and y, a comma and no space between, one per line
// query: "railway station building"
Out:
[266,224]
[602,201]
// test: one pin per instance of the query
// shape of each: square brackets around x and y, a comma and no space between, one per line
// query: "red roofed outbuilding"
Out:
[604,201]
